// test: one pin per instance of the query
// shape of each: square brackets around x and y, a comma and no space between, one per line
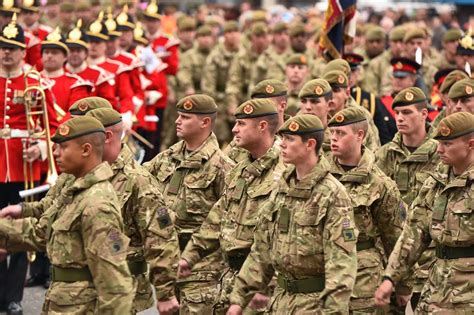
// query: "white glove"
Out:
[152,97]
[127,119]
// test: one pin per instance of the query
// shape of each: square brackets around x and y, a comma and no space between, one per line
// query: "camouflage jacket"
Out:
[436,121]
[305,227]
[443,213]
[372,140]
[191,69]
[272,65]
[378,74]
[408,170]
[82,229]
[231,222]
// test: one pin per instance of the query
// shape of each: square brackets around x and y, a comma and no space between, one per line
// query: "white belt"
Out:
[7,133]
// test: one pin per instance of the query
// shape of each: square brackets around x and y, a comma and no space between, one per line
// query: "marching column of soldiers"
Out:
[275,180]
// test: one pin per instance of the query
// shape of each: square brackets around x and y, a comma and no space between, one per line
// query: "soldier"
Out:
[298,38]
[448,107]
[30,14]
[342,99]
[82,231]
[382,118]
[241,73]
[231,222]
[297,72]
[374,43]
[214,79]
[271,63]
[191,177]
[67,88]
[409,159]
[66,17]
[305,227]
[465,53]
[462,96]
[441,214]
[186,33]
[13,132]
[379,211]
[377,75]
[450,44]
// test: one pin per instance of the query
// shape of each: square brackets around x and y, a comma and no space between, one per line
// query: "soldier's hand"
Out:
[234,310]
[259,301]
[3,254]
[168,307]
[382,295]
[12,211]
[184,270]
[33,153]
[402,300]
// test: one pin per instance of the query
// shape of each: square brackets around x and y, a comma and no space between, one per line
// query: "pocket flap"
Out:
[263,189]
[65,220]
[199,181]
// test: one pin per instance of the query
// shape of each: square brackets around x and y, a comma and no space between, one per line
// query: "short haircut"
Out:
[364,125]
[317,135]
[212,116]
[96,140]
[420,106]
[468,136]
[272,120]
[328,96]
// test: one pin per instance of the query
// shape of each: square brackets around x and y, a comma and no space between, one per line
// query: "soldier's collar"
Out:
[53,74]
[100,173]
[124,157]
[79,69]
[13,74]
[96,61]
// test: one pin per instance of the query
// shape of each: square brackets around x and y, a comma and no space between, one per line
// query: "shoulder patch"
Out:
[164,219]
[348,235]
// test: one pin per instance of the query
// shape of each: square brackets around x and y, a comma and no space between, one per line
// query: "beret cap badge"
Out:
[444,131]
[63,130]
[339,118]
[269,89]
[409,96]
[468,89]
[340,79]
[83,107]
[188,105]
[318,90]
[248,109]
[294,126]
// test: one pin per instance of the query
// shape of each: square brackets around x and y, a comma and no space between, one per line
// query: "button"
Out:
[386,118]
[8,99]
[7,117]
[7,126]
[9,90]
[7,107]
[9,81]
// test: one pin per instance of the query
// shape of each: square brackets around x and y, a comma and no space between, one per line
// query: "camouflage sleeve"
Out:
[371,80]
[257,270]
[234,86]
[28,234]
[372,141]
[105,247]
[184,75]
[383,161]
[339,243]
[206,240]
[153,166]
[413,241]
[209,77]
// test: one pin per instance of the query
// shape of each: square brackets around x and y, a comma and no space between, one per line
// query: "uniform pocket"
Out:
[308,235]
[460,223]
[462,281]
[67,245]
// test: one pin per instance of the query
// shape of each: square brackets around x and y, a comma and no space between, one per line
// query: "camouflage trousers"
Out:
[449,289]
[283,302]
[143,293]
[423,268]
[197,294]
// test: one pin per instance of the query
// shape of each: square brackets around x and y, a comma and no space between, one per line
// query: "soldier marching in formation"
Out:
[276,178]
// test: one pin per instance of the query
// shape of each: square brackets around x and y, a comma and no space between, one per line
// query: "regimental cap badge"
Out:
[294,126]
[269,89]
[122,18]
[318,90]
[340,79]
[152,8]
[248,109]
[188,105]
[64,130]
[96,27]
[11,30]
[444,130]
[76,33]
[468,89]
[409,96]
[83,106]
[54,36]
[398,65]
[339,118]
[303,59]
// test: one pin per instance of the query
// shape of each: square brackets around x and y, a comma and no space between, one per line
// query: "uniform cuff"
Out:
[164,293]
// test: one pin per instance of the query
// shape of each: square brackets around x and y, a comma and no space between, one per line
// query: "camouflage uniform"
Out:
[214,82]
[378,75]
[409,171]
[292,103]
[442,213]
[232,220]
[304,228]
[82,234]
[191,183]
[379,215]
[270,64]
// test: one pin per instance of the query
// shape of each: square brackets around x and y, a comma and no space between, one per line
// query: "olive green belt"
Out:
[308,285]
[59,274]
[446,252]
[365,245]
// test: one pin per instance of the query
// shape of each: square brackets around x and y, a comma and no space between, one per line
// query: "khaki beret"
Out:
[339,65]
[297,29]
[204,30]
[83,6]
[409,96]
[301,124]
[452,77]
[454,126]
[452,34]
[231,26]
[297,59]
[269,88]
[375,33]
[315,88]
[82,106]
[397,33]
[197,104]
[186,24]
[259,16]
[280,27]
[107,116]
[66,7]
[336,78]
[414,33]
[257,107]
[348,116]
[259,29]
[77,127]
[462,89]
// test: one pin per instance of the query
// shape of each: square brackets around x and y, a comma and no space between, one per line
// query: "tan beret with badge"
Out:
[339,65]
[348,116]
[375,33]
[82,106]
[413,34]
[107,116]
[452,77]
[297,59]
[77,127]
[257,107]
[451,35]
[231,26]
[269,88]
[197,104]
[454,126]
[397,33]
[259,29]
[204,30]
[409,96]
[301,124]
[336,78]
[462,89]
[315,88]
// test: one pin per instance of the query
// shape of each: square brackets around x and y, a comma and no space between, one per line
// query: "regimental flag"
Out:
[339,27]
